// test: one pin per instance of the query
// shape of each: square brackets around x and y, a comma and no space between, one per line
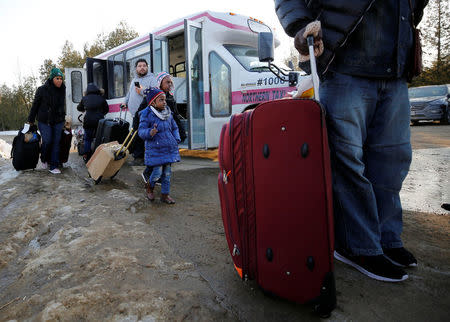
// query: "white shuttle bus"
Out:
[213,58]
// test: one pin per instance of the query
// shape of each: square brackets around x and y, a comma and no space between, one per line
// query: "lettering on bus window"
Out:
[220,86]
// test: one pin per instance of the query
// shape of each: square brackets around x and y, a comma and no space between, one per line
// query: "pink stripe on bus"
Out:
[113,108]
[205,14]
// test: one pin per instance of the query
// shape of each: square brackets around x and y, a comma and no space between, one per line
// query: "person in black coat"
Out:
[48,109]
[96,107]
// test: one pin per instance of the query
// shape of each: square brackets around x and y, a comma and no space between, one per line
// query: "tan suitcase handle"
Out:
[126,143]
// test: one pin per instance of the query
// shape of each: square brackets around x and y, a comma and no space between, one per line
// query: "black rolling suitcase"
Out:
[64,145]
[25,149]
[109,130]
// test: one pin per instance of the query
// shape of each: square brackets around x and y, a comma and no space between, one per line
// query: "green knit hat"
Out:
[55,72]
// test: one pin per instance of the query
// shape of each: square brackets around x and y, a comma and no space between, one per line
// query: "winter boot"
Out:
[149,191]
[167,199]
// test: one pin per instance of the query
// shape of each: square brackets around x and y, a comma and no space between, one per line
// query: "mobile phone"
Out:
[137,84]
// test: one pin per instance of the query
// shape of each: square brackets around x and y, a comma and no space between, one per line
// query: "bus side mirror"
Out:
[265,46]
[293,79]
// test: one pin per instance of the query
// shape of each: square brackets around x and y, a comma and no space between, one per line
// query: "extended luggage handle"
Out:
[121,154]
[122,107]
[312,60]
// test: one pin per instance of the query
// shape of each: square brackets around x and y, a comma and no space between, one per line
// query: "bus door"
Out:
[76,83]
[195,87]
[97,73]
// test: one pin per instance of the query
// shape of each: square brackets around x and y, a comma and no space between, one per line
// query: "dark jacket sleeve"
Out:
[105,108]
[35,106]
[80,106]
[293,15]
[339,18]
[143,105]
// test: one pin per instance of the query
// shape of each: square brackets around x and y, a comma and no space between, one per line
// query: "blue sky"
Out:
[31,31]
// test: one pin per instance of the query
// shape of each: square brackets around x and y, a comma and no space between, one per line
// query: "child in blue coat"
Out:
[160,133]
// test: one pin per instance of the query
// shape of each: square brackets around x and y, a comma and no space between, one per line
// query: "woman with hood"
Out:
[48,108]
[165,83]
[96,107]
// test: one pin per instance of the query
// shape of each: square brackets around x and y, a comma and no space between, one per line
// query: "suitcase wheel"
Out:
[115,174]
[98,180]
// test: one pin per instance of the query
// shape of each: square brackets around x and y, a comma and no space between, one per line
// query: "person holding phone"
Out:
[143,80]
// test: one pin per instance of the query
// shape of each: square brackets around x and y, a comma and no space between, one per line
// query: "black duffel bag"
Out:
[25,149]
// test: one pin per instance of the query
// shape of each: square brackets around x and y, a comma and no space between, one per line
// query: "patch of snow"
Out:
[5,149]
[9,132]
[427,185]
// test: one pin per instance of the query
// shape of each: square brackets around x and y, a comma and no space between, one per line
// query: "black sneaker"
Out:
[376,267]
[400,257]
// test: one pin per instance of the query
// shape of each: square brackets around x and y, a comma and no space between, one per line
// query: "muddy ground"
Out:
[71,250]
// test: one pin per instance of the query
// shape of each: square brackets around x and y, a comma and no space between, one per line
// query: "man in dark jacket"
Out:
[48,108]
[96,107]
[366,49]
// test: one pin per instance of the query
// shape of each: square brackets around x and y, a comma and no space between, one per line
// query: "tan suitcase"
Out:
[108,158]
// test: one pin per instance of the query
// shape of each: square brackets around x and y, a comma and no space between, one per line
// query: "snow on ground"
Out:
[8,132]
[5,149]
[427,185]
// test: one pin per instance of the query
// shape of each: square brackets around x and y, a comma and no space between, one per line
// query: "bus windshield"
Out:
[248,57]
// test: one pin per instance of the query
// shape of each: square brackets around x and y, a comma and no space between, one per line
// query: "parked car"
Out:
[430,103]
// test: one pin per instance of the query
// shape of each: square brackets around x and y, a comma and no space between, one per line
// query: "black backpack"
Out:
[25,155]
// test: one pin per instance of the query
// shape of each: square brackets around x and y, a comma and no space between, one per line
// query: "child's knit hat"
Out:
[151,94]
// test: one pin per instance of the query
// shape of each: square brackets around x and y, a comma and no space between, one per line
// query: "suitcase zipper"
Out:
[245,260]
[224,181]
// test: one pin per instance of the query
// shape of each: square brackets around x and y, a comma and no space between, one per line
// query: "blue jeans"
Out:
[89,135]
[164,173]
[369,137]
[51,136]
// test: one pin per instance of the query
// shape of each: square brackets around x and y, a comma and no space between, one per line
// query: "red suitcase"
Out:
[276,200]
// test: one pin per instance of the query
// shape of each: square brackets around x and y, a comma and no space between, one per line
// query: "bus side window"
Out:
[180,69]
[220,86]
[131,57]
[77,86]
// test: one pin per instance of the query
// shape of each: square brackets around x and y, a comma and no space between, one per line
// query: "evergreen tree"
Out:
[436,31]
[70,57]
[44,70]
[435,28]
